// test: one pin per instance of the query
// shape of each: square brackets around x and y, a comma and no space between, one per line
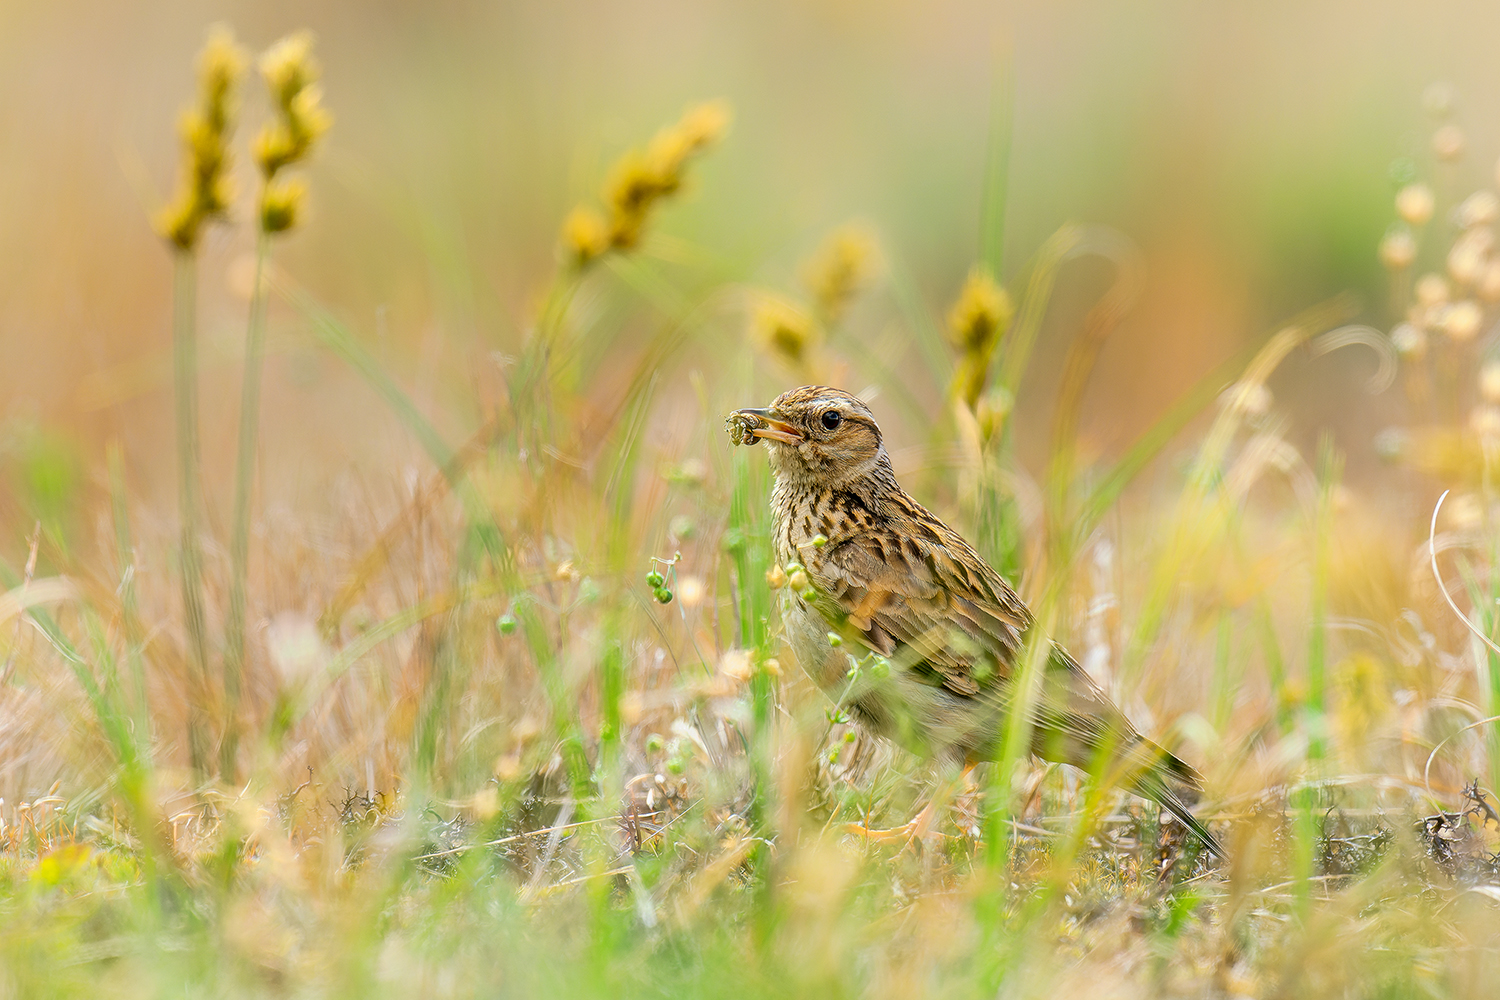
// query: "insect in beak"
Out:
[760,424]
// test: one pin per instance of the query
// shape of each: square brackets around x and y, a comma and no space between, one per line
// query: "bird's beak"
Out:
[772,428]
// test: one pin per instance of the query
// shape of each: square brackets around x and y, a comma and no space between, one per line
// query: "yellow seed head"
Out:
[784,331]
[639,180]
[206,190]
[281,204]
[178,221]
[288,67]
[308,118]
[839,268]
[585,235]
[981,314]
[976,323]
[669,150]
[221,63]
[291,75]
[632,190]
[704,124]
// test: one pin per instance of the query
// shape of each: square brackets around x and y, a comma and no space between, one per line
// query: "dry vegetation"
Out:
[519,723]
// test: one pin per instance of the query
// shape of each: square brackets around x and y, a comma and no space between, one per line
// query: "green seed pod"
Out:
[819,541]
[654,743]
[834,639]
[506,624]
[664,595]
[654,579]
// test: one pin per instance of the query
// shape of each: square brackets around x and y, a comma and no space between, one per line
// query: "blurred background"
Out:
[571,614]
[1247,151]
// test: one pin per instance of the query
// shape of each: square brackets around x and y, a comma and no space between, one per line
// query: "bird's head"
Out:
[816,434]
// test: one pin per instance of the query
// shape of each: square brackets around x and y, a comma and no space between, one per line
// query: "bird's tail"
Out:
[1155,773]
[1077,724]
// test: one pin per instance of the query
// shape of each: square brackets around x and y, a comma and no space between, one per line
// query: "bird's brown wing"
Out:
[923,595]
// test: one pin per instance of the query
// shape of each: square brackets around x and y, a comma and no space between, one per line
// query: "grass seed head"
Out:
[639,181]
[206,189]
[291,75]
[784,330]
[839,269]
[976,323]
[288,67]
[281,204]
[585,235]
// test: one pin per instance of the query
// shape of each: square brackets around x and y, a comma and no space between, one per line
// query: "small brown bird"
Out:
[889,578]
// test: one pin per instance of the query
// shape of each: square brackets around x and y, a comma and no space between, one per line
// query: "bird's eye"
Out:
[832,419]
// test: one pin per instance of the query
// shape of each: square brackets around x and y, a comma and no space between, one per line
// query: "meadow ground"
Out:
[511,715]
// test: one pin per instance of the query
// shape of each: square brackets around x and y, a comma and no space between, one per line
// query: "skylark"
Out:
[889,578]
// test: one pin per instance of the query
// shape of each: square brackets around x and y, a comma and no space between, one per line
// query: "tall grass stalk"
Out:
[129,611]
[244,480]
[189,556]
[997,160]
[1306,799]
[1491,680]
[1329,466]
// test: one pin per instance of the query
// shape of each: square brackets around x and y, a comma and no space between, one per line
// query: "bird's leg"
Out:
[922,826]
